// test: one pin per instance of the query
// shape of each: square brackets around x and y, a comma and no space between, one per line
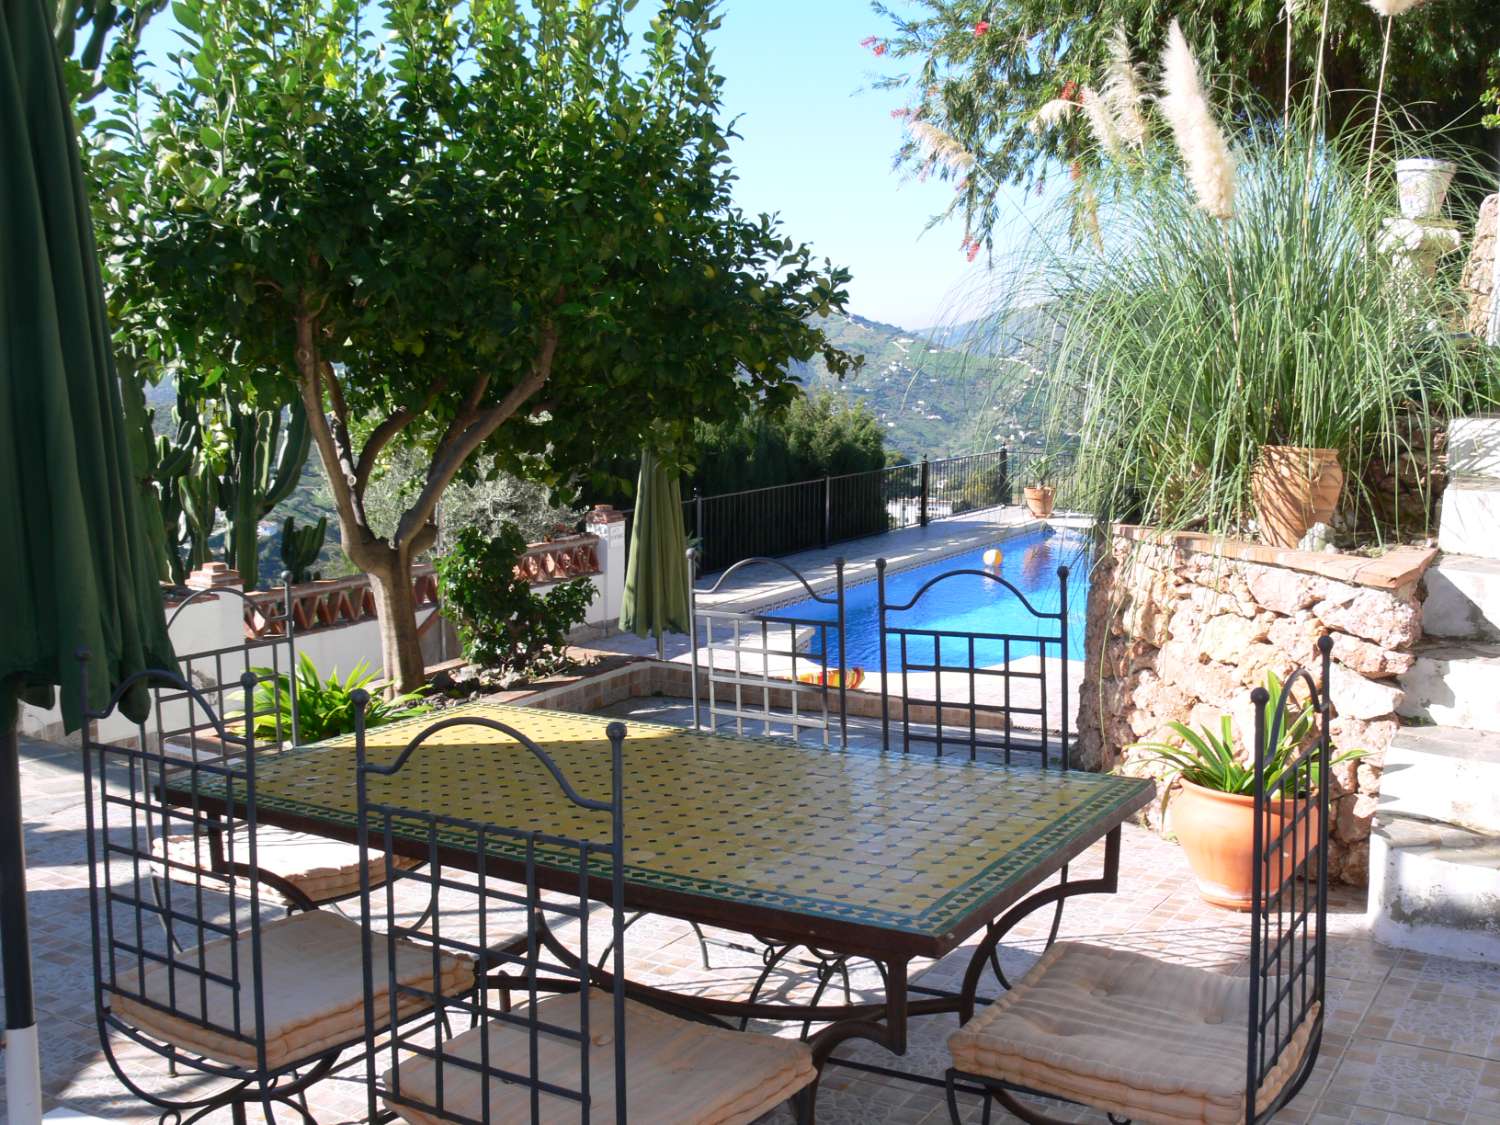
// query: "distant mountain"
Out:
[935,391]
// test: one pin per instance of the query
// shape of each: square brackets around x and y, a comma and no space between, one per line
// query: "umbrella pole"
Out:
[23,1072]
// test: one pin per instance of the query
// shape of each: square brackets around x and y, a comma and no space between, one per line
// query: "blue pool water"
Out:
[967,603]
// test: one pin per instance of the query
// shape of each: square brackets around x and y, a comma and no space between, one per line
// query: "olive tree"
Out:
[492,227]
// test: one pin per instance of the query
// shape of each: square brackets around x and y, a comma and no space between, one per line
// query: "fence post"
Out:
[1002,486]
[827,513]
[698,522]
[922,504]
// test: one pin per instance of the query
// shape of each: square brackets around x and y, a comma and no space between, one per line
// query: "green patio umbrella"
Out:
[656,577]
[74,568]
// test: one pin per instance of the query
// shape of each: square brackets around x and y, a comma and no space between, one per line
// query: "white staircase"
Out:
[1435,847]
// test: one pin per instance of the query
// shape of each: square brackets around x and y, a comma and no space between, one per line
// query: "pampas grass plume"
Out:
[941,147]
[1205,153]
[1055,111]
[1122,90]
[1101,121]
[1390,9]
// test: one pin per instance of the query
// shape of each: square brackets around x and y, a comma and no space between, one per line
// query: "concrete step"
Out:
[1463,597]
[1449,774]
[1435,888]
[1454,684]
[1469,523]
[1474,446]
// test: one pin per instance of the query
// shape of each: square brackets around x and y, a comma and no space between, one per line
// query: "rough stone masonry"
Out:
[1183,627]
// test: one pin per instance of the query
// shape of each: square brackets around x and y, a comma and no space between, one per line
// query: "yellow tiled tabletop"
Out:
[925,850]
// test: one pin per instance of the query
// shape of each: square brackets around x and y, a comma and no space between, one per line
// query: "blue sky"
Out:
[817,147]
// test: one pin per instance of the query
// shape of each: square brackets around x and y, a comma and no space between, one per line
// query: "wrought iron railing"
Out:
[785,518]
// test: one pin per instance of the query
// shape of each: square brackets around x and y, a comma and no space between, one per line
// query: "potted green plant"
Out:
[1213,810]
[1041,494]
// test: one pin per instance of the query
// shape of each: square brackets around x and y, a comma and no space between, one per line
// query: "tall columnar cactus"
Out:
[301,546]
[262,464]
[173,482]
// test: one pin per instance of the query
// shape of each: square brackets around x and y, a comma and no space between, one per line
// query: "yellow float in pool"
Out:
[993,558]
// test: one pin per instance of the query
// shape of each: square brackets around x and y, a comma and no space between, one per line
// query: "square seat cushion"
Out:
[677,1072]
[313,990]
[322,869]
[1127,1033]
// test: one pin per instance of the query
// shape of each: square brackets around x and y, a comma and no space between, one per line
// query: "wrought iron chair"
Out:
[254,1009]
[1137,1037]
[780,698]
[548,1036]
[245,681]
[1014,706]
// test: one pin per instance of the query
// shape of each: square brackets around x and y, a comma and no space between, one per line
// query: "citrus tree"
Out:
[495,226]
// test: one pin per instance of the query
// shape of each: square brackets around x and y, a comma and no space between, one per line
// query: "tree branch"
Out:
[381,436]
[353,529]
[457,445]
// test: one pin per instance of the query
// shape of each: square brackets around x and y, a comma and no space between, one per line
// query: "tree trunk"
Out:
[400,646]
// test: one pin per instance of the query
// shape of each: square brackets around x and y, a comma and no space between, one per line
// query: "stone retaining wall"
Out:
[1184,627]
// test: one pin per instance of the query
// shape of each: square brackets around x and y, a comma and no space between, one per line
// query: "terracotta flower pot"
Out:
[1217,831]
[1294,487]
[1039,498]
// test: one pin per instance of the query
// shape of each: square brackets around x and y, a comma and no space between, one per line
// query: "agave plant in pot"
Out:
[1212,793]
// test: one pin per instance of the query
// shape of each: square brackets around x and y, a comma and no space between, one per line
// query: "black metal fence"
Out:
[786,518]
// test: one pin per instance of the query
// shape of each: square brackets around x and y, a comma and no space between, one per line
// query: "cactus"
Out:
[262,464]
[301,546]
[177,508]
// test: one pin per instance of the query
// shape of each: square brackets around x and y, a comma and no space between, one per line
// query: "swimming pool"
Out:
[967,603]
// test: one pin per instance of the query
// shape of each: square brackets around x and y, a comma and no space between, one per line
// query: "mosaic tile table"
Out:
[888,856]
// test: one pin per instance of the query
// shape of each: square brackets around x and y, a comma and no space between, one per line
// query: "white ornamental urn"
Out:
[1423,186]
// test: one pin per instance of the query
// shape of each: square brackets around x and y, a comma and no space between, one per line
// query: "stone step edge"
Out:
[1445,841]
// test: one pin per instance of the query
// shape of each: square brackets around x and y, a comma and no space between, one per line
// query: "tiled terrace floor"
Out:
[1410,1038]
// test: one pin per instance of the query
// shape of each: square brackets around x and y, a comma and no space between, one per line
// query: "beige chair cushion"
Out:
[1126,1033]
[677,1071]
[314,990]
[322,869]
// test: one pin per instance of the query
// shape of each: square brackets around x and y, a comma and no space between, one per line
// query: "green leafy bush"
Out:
[325,708]
[502,623]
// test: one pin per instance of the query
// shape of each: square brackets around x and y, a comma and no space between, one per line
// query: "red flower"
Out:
[1069,91]
[981,27]
[868,41]
[974,250]
[879,49]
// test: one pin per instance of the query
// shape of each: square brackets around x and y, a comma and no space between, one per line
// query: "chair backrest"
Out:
[198,888]
[1289,911]
[779,670]
[219,675]
[495,895]
[998,690]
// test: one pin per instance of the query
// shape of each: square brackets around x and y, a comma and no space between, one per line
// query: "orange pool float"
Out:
[830,677]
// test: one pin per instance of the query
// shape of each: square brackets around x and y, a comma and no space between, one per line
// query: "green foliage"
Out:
[501,227]
[1187,344]
[815,436]
[325,708]
[301,546]
[503,625]
[1208,758]
[97,40]
[981,69]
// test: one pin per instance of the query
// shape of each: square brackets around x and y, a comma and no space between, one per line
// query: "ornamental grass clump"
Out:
[1191,336]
